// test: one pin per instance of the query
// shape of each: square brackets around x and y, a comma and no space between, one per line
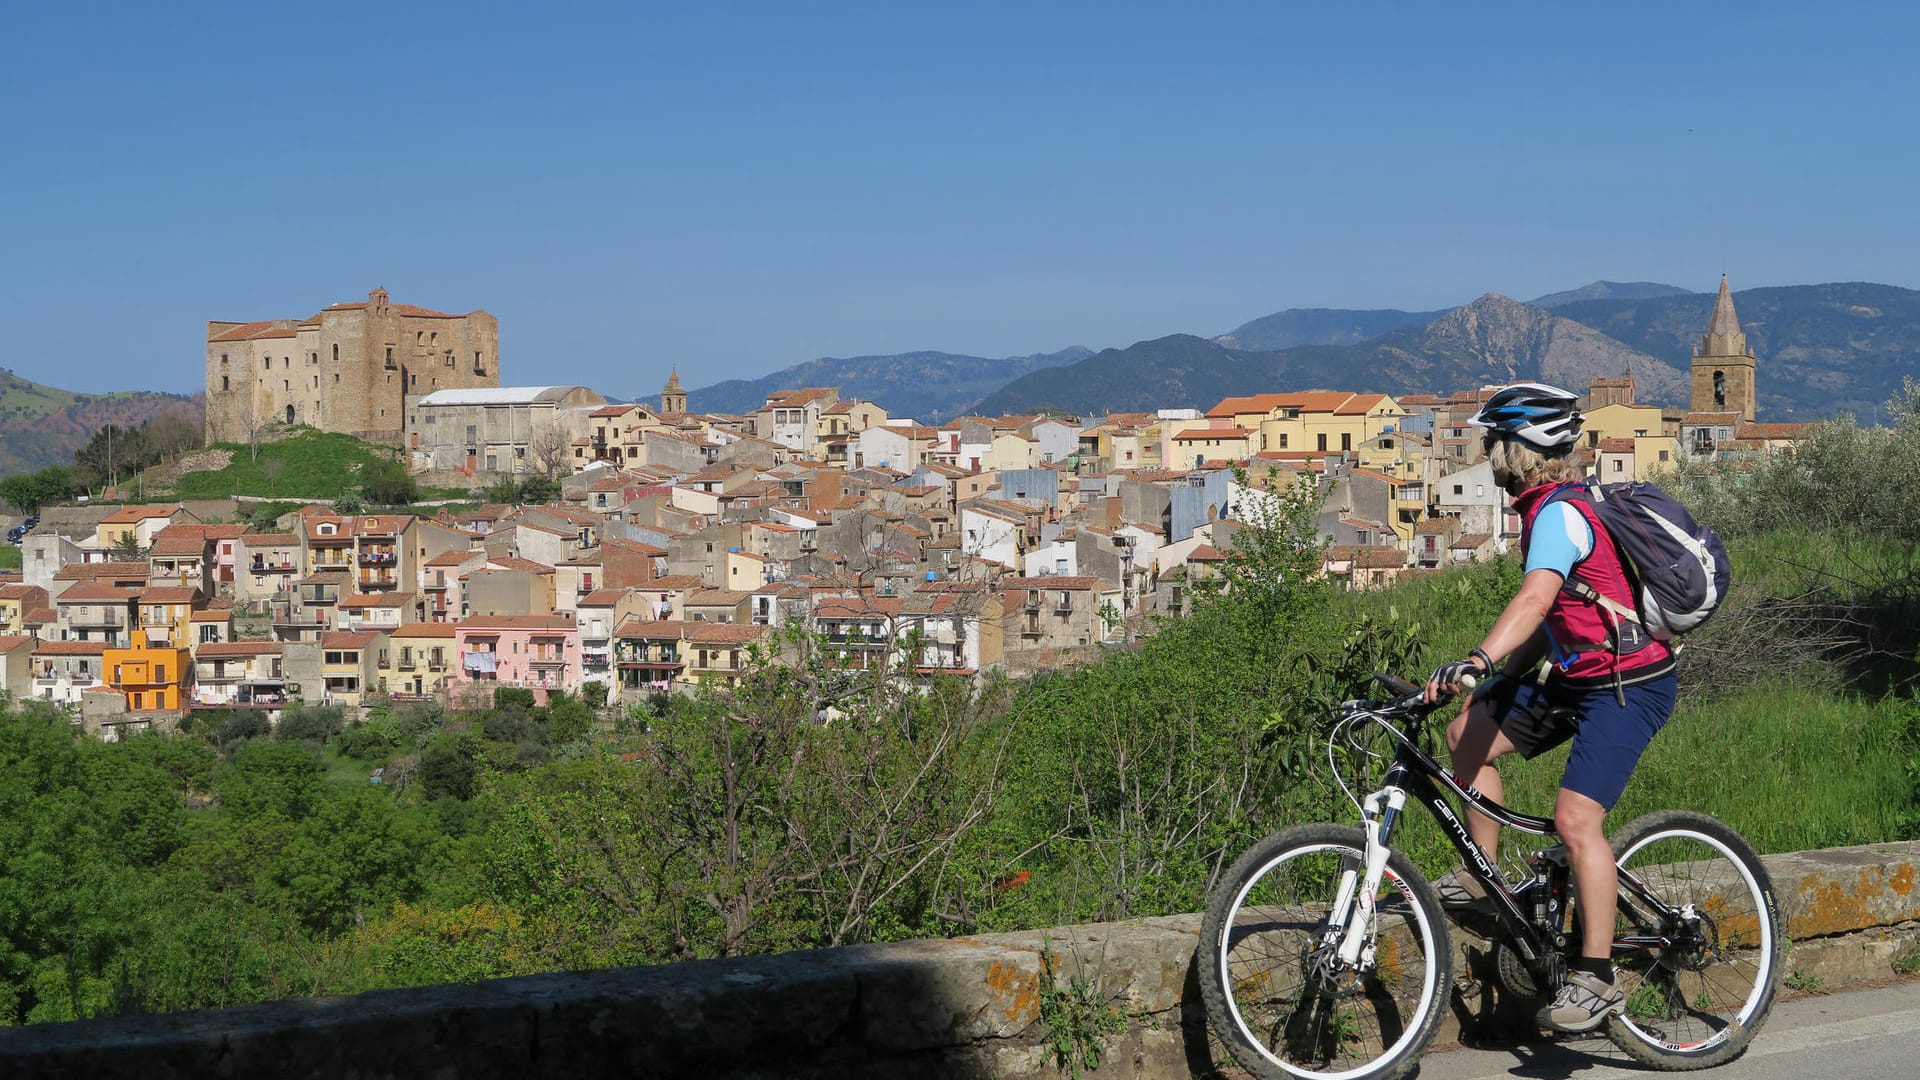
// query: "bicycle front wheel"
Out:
[1276,991]
[1699,977]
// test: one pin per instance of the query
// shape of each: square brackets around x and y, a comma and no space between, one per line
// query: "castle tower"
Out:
[673,400]
[1723,364]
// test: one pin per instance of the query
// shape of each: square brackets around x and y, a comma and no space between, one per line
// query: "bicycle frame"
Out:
[1414,772]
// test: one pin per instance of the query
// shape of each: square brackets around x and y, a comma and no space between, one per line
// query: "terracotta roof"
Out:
[10,642]
[211,615]
[518,622]
[167,594]
[840,607]
[455,557]
[1617,446]
[128,515]
[169,547]
[709,633]
[14,590]
[1370,558]
[674,581]
[375,600]
[254,539]
[515,563]
[347,639]
[1470,541]
[1195,434]
[103,570]
[1701,418]
[602,598]
[216,650]
[1049,582]
[1206,553]
[96,592]
[41,616]
[70,648]
[1753,430]
[241,332]
[424,629]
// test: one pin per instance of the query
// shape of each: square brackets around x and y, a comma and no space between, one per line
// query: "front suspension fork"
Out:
[1353,904]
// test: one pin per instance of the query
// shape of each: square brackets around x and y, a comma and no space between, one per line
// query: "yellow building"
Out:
[418,657]
[1620,421]
[151,676]
[1314,421]
[16,600]
[166,614]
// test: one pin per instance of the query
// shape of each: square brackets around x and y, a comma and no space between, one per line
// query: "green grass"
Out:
[9,557]
[312,464]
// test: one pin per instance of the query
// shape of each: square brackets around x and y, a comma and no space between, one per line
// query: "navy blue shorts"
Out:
[1608,738]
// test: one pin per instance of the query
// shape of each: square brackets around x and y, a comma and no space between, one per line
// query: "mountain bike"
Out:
[1325,954]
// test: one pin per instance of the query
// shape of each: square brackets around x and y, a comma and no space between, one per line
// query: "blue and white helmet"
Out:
[1540,414]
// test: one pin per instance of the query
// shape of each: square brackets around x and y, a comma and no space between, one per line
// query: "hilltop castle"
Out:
[347,369]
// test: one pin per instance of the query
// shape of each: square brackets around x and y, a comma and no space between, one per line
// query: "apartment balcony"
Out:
[272,566]
[435,586]
[379,558]
[92,620]
[284,617]
[436,665]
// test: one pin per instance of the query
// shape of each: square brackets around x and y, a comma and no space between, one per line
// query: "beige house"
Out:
[240,673]
[418,657]
[16,665]
[1058,612]
[498,431]
[267,565]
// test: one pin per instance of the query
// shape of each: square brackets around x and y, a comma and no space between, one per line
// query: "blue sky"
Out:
[733,188]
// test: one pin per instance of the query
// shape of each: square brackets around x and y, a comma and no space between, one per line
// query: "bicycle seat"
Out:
[1564,715]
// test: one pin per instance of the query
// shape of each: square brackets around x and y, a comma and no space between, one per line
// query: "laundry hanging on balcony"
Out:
[479,661]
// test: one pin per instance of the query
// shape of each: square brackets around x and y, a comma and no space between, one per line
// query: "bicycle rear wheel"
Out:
[1276,992]
[1697,998]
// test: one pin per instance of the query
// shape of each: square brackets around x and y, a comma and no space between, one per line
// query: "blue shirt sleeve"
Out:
[1560,540]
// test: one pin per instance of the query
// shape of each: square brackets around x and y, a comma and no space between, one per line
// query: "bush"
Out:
[310,723]
[388,484]
[241,724]
[447,769]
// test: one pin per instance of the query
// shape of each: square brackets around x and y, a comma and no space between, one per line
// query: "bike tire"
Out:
[1279,1013]
[1699,1003]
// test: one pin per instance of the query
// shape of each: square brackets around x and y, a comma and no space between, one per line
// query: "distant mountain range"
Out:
[44,425]
[1823,350]
[929,386]
[1493,339]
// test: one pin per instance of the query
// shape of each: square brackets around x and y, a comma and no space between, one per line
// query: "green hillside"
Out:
[307,465]
[44,425]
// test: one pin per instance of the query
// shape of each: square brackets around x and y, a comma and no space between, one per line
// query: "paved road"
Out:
[1863,1033]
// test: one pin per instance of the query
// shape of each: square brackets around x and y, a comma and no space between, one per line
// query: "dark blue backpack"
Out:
[1679,567]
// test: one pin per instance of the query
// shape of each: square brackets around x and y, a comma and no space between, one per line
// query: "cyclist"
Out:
[1571,671]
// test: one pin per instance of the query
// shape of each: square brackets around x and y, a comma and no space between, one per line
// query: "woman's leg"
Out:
[1476,741]
[1582,825]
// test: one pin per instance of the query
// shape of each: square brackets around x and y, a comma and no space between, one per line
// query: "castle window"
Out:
[1719,388]
[336,354]
[336,376]
[419,336]
[433,338]
[223,359]
[289,414]
[316,382]
[390,364]
[223,382]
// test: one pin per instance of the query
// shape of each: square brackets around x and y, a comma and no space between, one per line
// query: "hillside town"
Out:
[681,542]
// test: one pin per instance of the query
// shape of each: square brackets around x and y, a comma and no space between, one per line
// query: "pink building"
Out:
[539,652]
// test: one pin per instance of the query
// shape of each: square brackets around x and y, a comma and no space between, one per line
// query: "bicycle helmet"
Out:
[1540,414]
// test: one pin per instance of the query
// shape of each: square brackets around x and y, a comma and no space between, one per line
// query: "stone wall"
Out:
[966,1008]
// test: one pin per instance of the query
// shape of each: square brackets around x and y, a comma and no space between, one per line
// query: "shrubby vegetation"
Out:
[818,805]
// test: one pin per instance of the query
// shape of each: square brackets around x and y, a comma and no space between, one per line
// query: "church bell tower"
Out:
[1723,364]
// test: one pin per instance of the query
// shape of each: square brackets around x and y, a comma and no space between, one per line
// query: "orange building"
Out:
[151,676]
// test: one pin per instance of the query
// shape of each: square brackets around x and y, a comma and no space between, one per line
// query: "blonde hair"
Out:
[1518,466]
